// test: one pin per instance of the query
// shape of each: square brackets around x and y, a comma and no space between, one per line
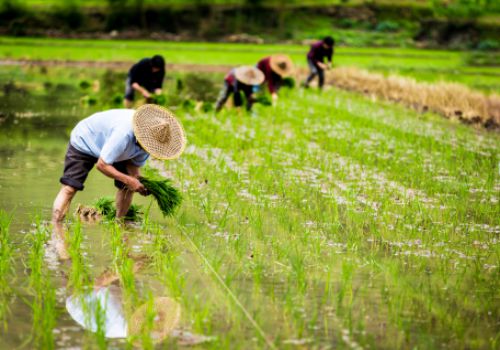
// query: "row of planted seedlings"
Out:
[41,287]
[82,287]
[6,268]
[134,253]
[242,249]
[347,269]
[252,250]
[427,220]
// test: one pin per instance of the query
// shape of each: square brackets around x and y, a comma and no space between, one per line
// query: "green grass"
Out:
[427,65]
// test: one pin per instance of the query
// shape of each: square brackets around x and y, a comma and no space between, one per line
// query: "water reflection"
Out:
[102,309]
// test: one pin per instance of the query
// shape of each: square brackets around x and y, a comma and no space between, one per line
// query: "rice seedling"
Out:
[167,196]
[105,206]
[43,304]
[6,267]
[79,278]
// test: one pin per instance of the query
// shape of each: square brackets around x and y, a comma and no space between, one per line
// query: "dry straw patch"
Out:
[448,99]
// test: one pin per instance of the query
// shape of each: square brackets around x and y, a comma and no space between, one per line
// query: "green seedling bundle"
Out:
[167,196]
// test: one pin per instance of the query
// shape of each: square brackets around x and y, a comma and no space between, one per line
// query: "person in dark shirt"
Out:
[315,60]
[275,68]
[238,80]
[146,77]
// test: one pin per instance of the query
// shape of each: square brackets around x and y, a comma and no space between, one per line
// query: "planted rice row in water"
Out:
[6,267]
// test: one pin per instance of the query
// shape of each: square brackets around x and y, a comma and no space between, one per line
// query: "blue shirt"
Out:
[109,135]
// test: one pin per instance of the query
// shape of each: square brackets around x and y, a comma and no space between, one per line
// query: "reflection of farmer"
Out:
[146,77]
[241,79]
[105,304]
[119,142]
[275,68]
[315,58]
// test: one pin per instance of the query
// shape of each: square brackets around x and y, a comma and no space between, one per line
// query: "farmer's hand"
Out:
[146,94]
[135,185]
[274,97]
[158,91]
[322,65]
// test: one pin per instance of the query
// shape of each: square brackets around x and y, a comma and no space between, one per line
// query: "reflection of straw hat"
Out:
[158,132]
[249,75]
[281,65]
[166,313]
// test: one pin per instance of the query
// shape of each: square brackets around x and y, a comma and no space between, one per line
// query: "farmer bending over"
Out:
[146,77]
[315,58]
[118,142]
[275,68]
[241,79]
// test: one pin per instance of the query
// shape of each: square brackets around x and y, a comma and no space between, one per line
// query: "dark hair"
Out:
[329,41]
[158,62]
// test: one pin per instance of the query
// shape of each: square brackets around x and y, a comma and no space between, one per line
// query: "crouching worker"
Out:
[275,68]
[145,77]
[315,59]
[118,142]
[241,79]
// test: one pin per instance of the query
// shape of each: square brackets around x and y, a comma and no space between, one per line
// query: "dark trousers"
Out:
[224,95]
[315,70]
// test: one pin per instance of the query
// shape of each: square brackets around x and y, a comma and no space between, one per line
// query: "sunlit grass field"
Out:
[427,65]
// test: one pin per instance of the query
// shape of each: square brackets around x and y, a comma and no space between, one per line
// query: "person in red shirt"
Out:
[275,68]
[238,80]
[315,59]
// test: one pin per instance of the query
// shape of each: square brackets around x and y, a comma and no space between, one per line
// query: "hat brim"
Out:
[144,120]
[167,314]
[276,61]
[249,75]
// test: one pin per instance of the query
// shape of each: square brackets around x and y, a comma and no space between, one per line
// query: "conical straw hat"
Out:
[249,75]
[281,65]
[167,313]
[159,132]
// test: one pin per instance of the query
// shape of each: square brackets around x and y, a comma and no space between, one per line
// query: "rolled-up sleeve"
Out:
[140,160]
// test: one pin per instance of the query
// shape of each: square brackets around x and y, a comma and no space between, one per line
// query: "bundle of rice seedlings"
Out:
[106,207]
[167,196]
[134,213]
[264,100]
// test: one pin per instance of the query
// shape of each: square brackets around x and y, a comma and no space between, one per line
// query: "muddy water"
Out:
[33,140]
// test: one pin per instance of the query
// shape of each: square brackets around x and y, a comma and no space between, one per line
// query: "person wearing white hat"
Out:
[118,142]
[238,80]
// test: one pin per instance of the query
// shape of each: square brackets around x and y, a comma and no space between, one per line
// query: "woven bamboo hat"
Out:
[159,132]
[249,75]
[281,65]
[166,312]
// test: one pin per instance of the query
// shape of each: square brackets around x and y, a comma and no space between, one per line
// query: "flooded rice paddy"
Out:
[328,221]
